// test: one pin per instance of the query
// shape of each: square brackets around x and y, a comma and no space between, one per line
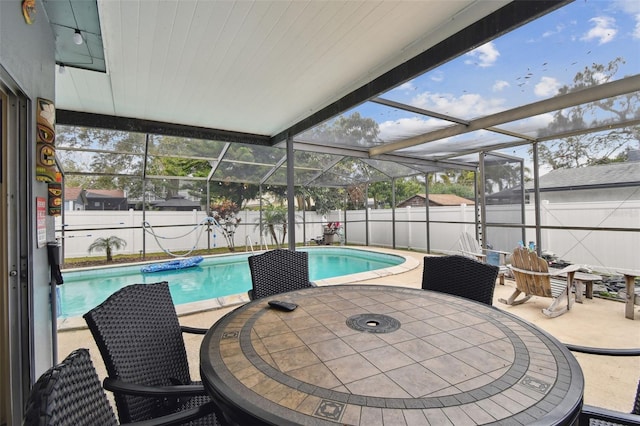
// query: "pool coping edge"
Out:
[410,263]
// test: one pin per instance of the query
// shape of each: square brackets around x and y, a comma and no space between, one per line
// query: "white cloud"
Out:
[437,76]
[600,77]
[467,106]
[485,55]
[556,30]
[406,87]
[406,127]
[548,86]
[532,125]
[604,30]
[632,8]
[500,85]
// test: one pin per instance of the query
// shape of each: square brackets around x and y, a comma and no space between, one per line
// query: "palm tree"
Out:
[108,244]
[274,222]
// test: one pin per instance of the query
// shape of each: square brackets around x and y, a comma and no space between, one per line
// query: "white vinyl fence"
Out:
[180,232]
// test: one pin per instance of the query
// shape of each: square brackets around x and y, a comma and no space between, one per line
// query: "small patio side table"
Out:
[630,287]
[582,279]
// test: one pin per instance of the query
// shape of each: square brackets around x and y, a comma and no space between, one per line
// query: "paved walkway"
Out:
[610,382]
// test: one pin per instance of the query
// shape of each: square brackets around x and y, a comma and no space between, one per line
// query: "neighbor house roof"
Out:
[72,193]
[177,202]
[604,175]
[105,193]
[441,199]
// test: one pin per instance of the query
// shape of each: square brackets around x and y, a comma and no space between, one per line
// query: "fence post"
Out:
[132,236]
[368,226]
[409,228]
[463,218]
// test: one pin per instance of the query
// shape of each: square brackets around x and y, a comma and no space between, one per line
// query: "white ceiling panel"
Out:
[86,90]
[252,66]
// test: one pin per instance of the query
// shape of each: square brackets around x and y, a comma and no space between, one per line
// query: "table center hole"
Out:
[373,323]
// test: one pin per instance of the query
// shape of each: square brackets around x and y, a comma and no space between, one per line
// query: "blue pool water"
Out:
[216,276]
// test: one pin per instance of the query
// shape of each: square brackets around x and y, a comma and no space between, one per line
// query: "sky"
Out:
[526,65]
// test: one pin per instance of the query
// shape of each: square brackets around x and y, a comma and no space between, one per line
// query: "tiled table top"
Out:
[374,355]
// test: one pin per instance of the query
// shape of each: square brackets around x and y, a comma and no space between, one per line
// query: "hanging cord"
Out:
[202,225]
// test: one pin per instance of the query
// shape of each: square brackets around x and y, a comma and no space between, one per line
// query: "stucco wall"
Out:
[27,57]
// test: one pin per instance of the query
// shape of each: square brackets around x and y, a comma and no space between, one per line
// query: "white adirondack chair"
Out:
[470,247]
[533,278]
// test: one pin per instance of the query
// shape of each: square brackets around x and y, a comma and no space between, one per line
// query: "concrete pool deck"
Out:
[610,382]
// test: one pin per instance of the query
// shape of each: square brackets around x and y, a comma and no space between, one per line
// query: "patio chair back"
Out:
[139,337]
[460,276]
[598,416]
[278,271]
[69,393]
[533,278]
[470,247]
[538,283]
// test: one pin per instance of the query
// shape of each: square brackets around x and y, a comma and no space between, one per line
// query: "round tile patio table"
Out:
[382,355]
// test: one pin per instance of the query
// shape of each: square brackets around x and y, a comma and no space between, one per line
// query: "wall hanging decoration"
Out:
[29,11]
[45,141]
[55,196]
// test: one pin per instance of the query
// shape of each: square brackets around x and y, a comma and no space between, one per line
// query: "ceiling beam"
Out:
[407,160]
[555,136]
[216,163]
[101,121]
[503,20]
[410,108]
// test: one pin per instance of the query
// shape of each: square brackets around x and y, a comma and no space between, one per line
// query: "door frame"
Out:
[16,328]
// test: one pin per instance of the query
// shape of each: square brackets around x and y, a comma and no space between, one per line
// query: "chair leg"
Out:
[559,306]
[579,289]
[512,299]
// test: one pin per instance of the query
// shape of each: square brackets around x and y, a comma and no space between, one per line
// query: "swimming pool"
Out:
[216,276]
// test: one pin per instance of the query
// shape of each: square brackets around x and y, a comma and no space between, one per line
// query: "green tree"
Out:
[325,198]
[117,164]
[358,131]
[464,191]
[274,223]
[108,245]
[500,175]
[354,128]
[237,192]
[405,188]
[597,147]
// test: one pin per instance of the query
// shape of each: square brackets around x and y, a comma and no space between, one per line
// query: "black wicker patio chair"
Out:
[278,271]
[598,416]
[460,276]
[140,339]
[70,394]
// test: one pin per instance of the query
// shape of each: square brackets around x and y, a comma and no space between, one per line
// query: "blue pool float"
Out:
[188,262]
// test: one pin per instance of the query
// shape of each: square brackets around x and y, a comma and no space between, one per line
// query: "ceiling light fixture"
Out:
[77,37]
